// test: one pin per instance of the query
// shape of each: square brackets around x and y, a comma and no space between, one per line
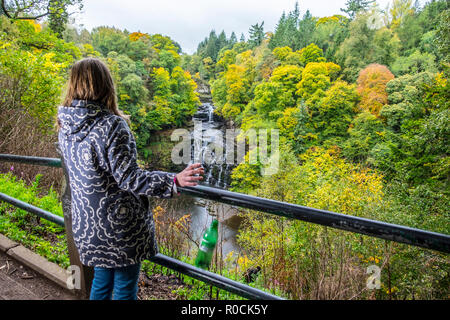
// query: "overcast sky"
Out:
[189,21]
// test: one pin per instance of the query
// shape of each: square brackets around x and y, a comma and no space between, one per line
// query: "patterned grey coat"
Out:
[112,223]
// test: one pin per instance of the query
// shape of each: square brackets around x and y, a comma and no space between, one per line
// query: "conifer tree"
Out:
[256,33]
[354,6]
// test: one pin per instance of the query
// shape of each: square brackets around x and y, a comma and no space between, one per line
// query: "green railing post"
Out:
[85,273]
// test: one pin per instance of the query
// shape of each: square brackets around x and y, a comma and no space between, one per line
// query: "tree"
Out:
[233,39]
[396,14]
[184,100]
[371,83]
[306,27]
[355,6]
[364,46]
[278,38]
[30,83]
[405,100]
[417,117]
[222,41]
[442,35]
[293,31]
[329,33]
[365,131]
[212,46]
[277,94]
[286,31]
[315,81]
[415,63]
[256,34]
[334,112]
[311,53]
[55,10]
[106,39]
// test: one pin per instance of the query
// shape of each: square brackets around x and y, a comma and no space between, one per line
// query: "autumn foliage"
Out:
[371,86]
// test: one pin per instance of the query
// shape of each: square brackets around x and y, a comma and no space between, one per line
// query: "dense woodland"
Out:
[361,101]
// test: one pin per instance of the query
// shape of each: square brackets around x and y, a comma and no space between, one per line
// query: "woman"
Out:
[112,223]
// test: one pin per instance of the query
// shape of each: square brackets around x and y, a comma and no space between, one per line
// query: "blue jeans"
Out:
[123,282]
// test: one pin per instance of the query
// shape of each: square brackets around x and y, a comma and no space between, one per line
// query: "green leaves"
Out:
[32,80]
[28,229]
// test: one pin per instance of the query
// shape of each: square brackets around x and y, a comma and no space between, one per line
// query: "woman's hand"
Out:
[188,178]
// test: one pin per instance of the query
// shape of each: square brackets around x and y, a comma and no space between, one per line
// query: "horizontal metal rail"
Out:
[32,209]
[374,228]
[213,278]
[412,236]
[165,261]
[38,161]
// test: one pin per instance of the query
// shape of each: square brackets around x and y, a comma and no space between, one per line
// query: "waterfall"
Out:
[217,171]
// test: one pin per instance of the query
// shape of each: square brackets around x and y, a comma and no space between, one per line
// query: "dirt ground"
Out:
[158,287]
[39,287]
[155,287]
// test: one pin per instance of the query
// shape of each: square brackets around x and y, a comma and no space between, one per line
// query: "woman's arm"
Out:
[121,156]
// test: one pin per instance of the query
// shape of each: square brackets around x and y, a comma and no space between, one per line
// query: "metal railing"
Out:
[397,233]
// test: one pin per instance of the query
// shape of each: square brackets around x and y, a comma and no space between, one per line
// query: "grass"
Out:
[43,237]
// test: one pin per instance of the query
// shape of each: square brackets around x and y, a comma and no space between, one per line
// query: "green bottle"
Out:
[207,246]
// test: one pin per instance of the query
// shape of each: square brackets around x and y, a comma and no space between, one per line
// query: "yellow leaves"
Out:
[161,75]
[183,223]
[135,36]
[243,262]
[171,231]
[287,74]
[87,50]
[245,58]
[316,78]
[157,212]
[48,61]
[397,11]
[160,42]
[230,110]
[37,27]
[392,290]
[235,82]
[440,80]
[5,45]
[142,112]
[124,97]
[340,186]
[326,20]
[288,122]
[282,52]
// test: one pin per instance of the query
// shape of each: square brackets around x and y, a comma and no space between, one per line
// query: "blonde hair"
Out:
[90,79]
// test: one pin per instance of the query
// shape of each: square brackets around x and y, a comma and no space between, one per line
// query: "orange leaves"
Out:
[135,36]
[371,83]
